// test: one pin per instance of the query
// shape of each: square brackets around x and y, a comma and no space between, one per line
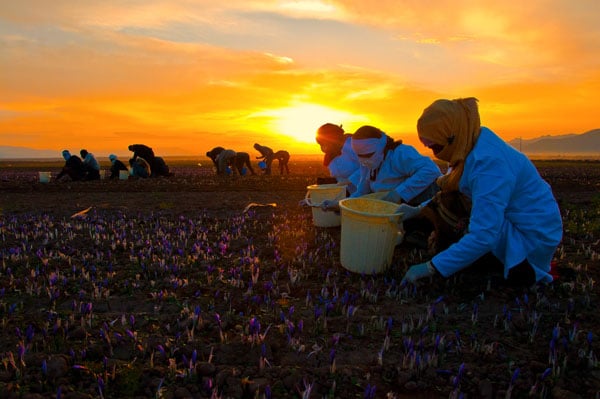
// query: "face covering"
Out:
[373,161]
[375,146]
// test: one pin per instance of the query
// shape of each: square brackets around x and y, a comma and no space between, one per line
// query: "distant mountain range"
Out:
[10,152]
[585,143]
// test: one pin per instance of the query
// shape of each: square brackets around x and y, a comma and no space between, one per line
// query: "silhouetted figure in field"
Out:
[284,158]
[73,167]
[116,166]
[267,155]
[160,167]
[223,158]
[91,165]
[140,168]
[142,150]
[157,164]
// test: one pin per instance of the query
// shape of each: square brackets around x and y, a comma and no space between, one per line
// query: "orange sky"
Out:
[185,75]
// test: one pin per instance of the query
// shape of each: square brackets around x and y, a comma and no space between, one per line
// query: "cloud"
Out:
[171,68]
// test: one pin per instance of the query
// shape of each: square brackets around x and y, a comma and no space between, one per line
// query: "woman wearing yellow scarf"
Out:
[514,215]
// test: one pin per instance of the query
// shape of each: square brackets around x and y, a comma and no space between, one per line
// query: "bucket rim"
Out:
[327,186]
[343,206]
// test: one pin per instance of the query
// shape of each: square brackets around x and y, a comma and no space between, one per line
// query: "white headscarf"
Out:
[376,146]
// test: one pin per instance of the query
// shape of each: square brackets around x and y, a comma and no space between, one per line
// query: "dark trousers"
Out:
[520,276]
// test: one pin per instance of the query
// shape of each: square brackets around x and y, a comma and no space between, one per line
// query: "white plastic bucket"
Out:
[371,228]
[123,174]
[316,194]
[45,177]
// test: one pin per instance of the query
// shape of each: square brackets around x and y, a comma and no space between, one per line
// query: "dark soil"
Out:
[167,288]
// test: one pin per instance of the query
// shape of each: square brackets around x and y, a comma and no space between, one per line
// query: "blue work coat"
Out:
[514,214]
[403,170]
[345,167]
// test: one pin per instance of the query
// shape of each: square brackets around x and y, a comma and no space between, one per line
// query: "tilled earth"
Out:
[177,288]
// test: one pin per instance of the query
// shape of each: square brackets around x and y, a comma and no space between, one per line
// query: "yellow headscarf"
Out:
[455,125]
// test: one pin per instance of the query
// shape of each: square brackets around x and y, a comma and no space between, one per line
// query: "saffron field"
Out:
[179,287]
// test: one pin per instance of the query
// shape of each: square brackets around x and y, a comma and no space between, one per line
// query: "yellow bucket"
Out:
[123,174]
[371,228]
[316,194]
[45,177]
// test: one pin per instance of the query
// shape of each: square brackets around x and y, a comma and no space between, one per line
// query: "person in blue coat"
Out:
[394,167]
[339,158]
[139,167]
[91,165]
[514,215]
[73,168]
[116,166]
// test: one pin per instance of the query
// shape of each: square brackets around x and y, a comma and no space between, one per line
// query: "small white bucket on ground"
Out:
[123,174]
[316,194]
[45,177]
[371,228]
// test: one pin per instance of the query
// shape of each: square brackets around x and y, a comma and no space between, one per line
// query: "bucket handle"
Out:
[308,200]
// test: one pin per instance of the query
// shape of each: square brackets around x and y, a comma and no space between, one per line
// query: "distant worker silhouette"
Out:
[91,165]
[284,158]
[157,164]
[238,161]
[140,167]
[73,167]
[267,155]
[142,150]
[116,166]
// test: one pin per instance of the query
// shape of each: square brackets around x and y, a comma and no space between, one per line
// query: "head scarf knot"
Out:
[455,125]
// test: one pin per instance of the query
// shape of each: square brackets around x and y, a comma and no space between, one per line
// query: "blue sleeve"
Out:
[420,172]
[491,188]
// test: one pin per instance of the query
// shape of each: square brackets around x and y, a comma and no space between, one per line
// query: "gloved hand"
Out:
[304,202]
[408,212]
[417,272]
[392,196]
[330,205]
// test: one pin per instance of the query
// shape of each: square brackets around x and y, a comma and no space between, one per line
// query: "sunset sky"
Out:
[186,75]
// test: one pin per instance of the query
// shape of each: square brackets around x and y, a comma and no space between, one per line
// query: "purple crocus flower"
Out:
[546,373]
[370,391]
[515,376]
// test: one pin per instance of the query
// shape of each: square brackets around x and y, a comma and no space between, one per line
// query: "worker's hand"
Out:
[330,205]
[392,196]
[305,202]
[408,212]
[417,272]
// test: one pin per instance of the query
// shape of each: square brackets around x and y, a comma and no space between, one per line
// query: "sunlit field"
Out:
[198,286]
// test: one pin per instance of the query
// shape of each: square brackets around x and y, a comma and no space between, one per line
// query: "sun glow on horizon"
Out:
[302,120]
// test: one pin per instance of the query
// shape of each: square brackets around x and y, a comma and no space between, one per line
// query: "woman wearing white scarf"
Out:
[388,165]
